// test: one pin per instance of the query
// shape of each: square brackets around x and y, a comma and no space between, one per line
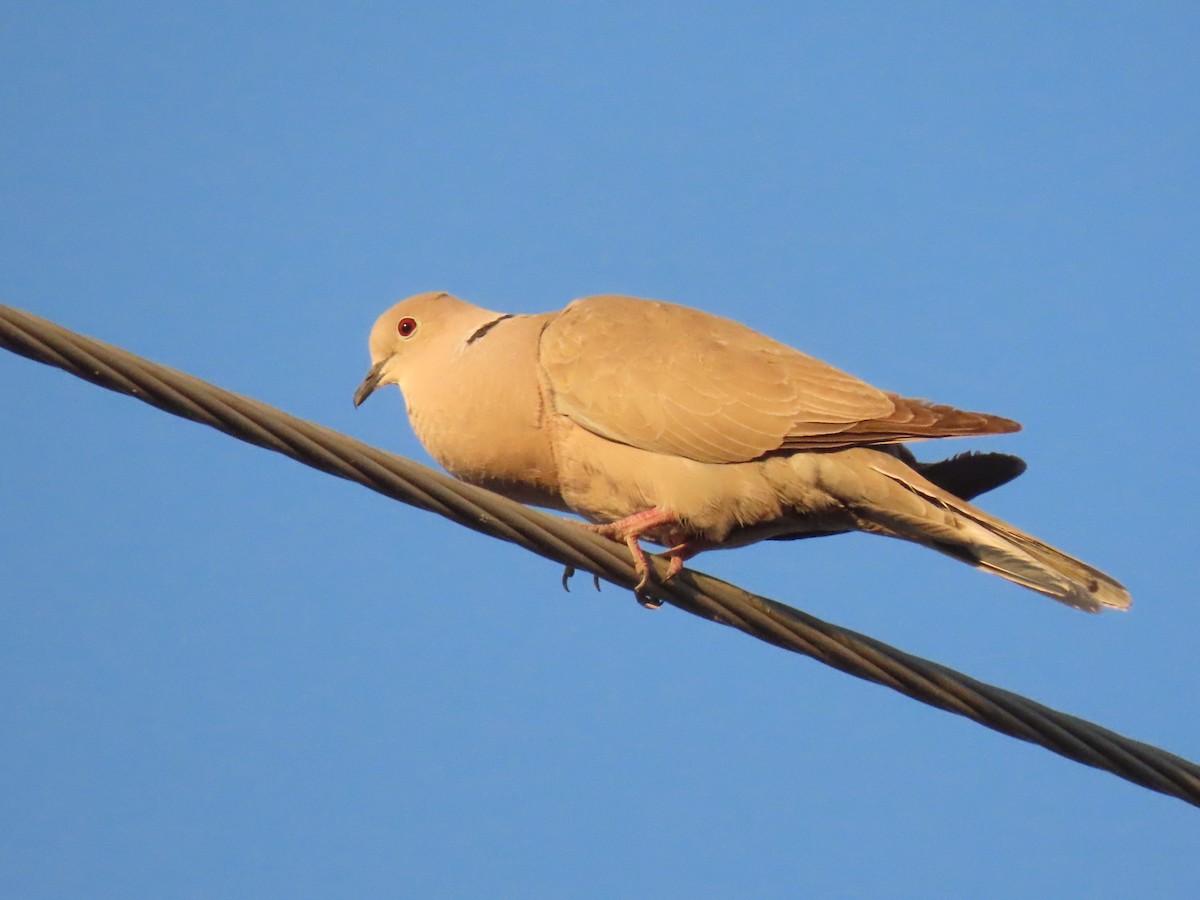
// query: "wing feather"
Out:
[675,380]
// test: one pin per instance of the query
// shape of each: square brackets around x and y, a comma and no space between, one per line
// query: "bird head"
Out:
[422,325]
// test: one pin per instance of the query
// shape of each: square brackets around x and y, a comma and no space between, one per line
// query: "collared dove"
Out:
[660,422]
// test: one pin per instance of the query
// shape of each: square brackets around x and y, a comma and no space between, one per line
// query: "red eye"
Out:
[406,326]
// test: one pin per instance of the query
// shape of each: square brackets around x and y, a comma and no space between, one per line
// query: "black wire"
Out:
[573,546]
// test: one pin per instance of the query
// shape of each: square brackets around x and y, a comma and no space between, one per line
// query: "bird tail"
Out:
[942,521]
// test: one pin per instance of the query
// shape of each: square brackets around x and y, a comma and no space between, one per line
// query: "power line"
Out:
[573,546]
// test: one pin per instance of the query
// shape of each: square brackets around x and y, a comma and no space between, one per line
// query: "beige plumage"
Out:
[660,422]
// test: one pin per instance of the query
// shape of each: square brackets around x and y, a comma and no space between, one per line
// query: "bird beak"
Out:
[369,383]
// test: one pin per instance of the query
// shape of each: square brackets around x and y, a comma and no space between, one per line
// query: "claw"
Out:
[647,601]
[569,573]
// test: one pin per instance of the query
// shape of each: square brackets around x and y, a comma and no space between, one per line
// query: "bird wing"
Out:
[678,381]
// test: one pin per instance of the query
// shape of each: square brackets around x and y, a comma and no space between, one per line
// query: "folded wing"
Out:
[678,381]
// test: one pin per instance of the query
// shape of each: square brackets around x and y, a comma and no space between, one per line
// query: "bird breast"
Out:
[484,429]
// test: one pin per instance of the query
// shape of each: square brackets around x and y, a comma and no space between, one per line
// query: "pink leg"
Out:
[630,529]
[682,550]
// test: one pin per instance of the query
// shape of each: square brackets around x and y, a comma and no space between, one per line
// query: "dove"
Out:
[658,422]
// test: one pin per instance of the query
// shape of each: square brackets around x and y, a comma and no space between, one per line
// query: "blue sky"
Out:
[227,675]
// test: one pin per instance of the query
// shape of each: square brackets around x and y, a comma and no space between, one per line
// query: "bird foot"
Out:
[630,530]
[683,550]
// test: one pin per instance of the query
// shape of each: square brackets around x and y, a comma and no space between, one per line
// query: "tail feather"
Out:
[969,534]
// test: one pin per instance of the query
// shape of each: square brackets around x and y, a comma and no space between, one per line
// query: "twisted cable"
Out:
[577,548]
